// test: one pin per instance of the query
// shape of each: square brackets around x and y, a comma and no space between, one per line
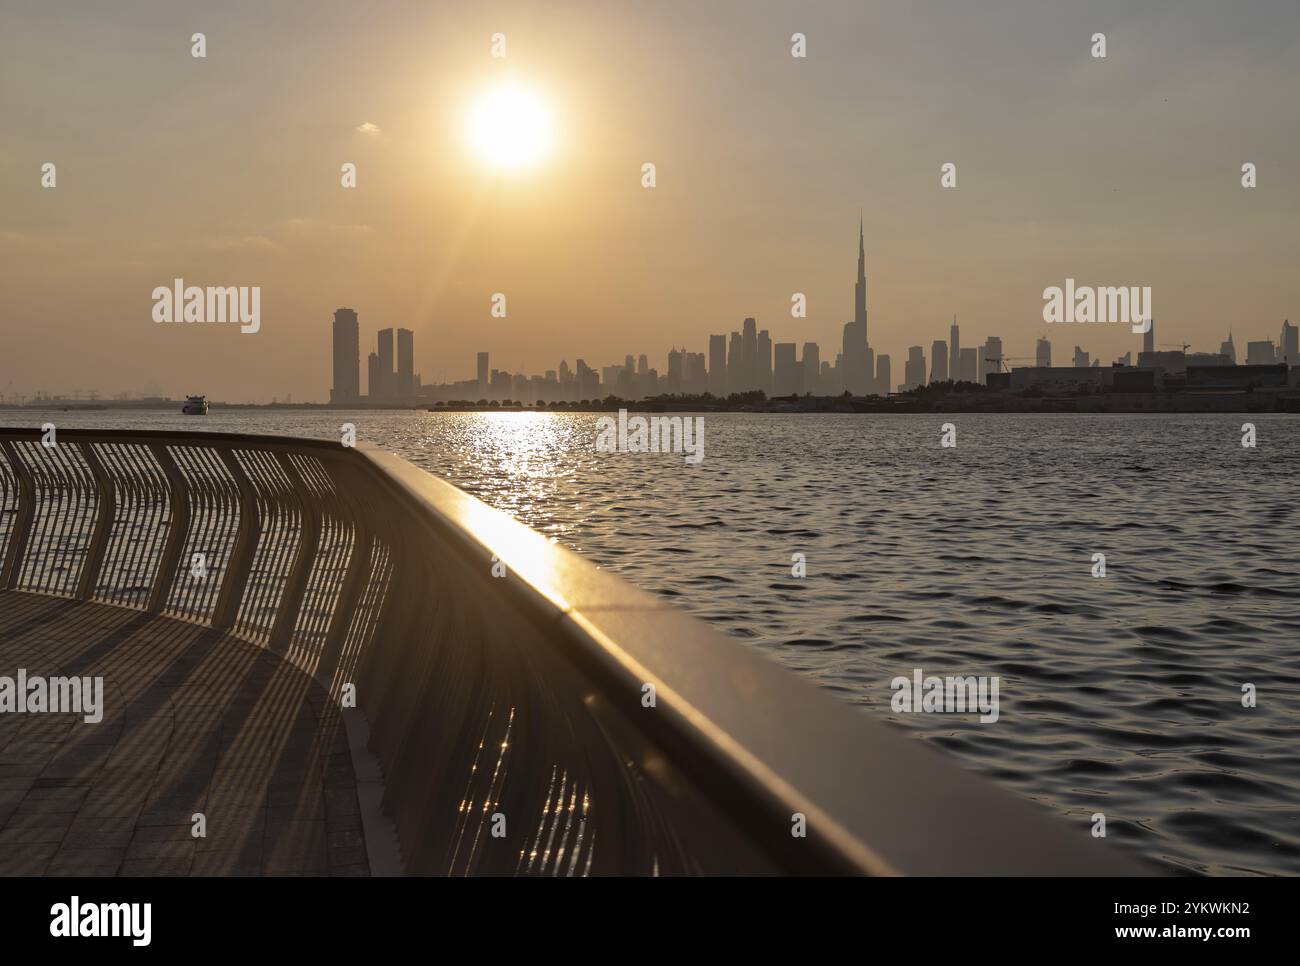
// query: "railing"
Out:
[532,713]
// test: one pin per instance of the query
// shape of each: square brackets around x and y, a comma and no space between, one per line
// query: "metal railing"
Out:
[507,682]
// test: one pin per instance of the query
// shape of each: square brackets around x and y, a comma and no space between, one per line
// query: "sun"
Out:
[510,127]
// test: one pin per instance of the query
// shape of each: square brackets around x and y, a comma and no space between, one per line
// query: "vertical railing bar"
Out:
[180,516]
[285,544]
[22,528]
[190,462]
[55,518]
[138,476]
[291,597]
[29,575]
[69,518]
[354,584]
[237,566]
[154,504]
[74,519]
[105,512]
[273,532]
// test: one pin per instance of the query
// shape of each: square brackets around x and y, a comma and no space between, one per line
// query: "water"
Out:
[1119,695]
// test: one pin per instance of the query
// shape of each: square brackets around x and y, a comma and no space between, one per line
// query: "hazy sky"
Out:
[225,171]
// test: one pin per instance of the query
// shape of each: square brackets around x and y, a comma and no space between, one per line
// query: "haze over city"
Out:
[763,162]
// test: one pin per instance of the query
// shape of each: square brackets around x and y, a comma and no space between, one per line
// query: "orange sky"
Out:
[225,171]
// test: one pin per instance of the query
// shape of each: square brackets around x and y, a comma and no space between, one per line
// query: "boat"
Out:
[195,406]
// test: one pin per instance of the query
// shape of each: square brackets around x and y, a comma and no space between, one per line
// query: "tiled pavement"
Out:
[194,722]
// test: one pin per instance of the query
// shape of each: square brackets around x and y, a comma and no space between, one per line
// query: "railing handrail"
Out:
[760,742]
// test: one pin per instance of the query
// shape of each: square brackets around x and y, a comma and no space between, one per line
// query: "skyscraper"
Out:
[1288,344]
[1043,353]
[784,373]
[372,374]
[860,287]
[405,365]
[954,351]
[1149,338]
[855,360]
[812,368]
[749,355]
[718,365]
[764,366]
[992,361]
[483,383]
[970,365]
[939,361]
[385,388]
[735,363]
[882,374]
[914,368]
[347,358]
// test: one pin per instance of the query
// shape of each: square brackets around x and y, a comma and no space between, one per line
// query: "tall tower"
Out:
[405,364]
[1228,349]
[387,382]
[954,352]
[347,358]
[860,289]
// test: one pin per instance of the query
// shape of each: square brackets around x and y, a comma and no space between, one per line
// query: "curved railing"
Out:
[532,713]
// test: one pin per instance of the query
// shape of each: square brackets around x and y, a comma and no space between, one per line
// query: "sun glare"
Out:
[510,127]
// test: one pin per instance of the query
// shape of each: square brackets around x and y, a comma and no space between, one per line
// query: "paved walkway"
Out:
[194,721]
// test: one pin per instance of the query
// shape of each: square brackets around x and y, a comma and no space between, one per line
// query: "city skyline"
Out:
[749,360]
[1123,170]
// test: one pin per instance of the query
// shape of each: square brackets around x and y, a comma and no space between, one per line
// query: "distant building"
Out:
[970,364]
[812,368]
[372,373]
[676,358]
[764,367]
[1171,362]
[882,373]
[405,365]
[384,389]
[1288,344]
[694,373]
[735,363]
[954,351]
[939,361]
[1229,350]
[992,359]
[787,375]
[1207,359]
[347,358]
[748,356]
[484,384]
[1061,379]
[717,365]
[914,368]
[1043,354]
[1080,358]
[1261,353]
[1237,377]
